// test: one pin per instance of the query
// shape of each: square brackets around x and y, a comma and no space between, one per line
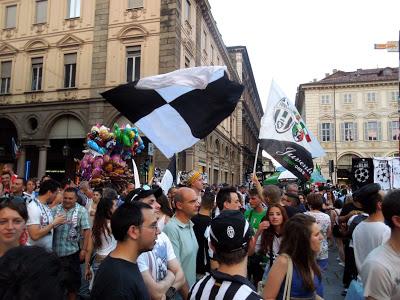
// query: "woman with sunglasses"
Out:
[13,217]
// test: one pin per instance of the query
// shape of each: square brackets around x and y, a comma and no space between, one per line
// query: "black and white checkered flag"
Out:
[177,109]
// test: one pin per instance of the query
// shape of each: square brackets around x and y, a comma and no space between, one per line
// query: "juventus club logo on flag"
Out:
[177,109]
[285,136]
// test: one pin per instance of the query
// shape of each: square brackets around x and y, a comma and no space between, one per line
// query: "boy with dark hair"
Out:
[372,232]
[230,237]
[201,221]
[380,272]
[134,226]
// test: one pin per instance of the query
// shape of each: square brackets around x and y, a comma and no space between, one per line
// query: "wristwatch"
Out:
[171,292]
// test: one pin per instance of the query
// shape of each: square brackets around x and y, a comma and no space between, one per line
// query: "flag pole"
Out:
[255,160]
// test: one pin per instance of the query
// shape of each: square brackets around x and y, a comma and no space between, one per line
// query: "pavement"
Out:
[332,279]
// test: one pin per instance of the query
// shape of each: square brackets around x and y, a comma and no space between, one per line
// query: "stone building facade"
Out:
[56,56]
[354,114]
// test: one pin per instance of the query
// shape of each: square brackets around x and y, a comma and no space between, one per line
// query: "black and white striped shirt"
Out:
[221,286]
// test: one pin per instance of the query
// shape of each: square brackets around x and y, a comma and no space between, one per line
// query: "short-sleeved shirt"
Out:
[380,274]
[118,279]
[366,237]
[185,246]
[40,214]
[66,236]
[220,286]
[324,221]
[156,260]
[254,218]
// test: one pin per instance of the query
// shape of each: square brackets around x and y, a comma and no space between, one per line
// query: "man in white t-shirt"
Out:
[40,222]
[372,232]
[159,267]
[380,272]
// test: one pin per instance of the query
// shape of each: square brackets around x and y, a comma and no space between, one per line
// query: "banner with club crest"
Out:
[285,136]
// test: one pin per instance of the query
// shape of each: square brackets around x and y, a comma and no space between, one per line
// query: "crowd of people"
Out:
[69,241]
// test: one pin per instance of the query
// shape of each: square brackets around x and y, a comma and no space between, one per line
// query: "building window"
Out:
[188,7]
[372,131]
[371,97]
[349,131]
[187,62]
[394,131]
[132,4]
[37,71]
[74,9]
[11,16]
[41,11]
[347,99]
[326,132]
[394,96]
[132,63]
[325,99]
[5,79]
[69,70]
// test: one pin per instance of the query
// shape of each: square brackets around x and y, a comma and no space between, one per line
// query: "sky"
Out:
[295,41]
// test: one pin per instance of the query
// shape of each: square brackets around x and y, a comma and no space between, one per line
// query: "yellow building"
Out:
[354,114]
[56,56]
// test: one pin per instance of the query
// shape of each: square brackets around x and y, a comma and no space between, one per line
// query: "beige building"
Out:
[56,56]
[354,114]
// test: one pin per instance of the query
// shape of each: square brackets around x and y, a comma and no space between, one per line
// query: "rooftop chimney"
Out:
[326,74]
[334,71]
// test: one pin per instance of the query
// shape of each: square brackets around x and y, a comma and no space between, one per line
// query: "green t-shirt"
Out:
[254,217]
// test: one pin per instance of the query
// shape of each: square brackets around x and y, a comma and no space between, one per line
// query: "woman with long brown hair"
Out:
[102,241]
[271,234]
[300,244]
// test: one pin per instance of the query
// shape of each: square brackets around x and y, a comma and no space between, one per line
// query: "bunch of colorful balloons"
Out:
[107,152]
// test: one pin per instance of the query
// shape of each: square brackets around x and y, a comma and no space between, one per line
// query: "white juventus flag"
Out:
[169,178]
[286,138]
[395,166]
[382,173]
[177,109]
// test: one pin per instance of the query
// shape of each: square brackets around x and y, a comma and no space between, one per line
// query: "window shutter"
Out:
[41,11]
[11,16]
[365,131]
[6,69]
[333,130]
[355,132]
[70,59]
[342,133]
[379,129]
[320,132]
[135,3]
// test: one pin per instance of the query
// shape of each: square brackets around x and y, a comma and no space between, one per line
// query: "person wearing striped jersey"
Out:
[230,235]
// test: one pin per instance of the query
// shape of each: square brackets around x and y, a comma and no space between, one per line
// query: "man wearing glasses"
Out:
[160,268]
[134,226]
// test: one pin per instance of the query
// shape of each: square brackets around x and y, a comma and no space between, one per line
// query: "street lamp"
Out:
[393,46]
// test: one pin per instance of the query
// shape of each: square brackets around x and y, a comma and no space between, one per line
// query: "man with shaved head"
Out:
[180,232]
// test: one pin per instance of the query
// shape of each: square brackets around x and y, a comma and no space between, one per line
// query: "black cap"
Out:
[366,191]
[143,192]
[230,231]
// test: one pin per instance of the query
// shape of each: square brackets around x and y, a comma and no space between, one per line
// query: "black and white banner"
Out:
[362,172]
[382,173]
[286,138]
[177,109]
